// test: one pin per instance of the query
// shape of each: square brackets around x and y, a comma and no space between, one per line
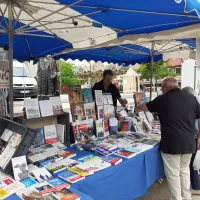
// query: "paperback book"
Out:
[41,174]
[112,159]
[20,168]
[99,128]
[109,111]
[100,112]
[77,112]
[113,126]
[60,130]
[106,128]
[46,108]
[87,95]
[89,109]
[125,154]
[82,134]
[6,181]
[28,182]
[107,99]
[39,139]
[98,97]
[80,172]
[57,105]
[66,154]
[75,94]
[103,151]
[56,182]
[65,194]
[32,108]
[70,176]
[88,158]
[50,134]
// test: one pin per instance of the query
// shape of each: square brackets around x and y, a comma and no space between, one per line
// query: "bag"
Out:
[196,163]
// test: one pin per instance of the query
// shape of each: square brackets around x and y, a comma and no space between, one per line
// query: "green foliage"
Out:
[159,71]
[67,73]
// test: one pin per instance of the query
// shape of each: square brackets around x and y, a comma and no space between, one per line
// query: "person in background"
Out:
[194,175]
[177,111]
[107,86]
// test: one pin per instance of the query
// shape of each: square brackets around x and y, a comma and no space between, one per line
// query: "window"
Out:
[20,72]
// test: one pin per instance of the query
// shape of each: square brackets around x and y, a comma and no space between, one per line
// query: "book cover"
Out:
[6,135]
[80,172]
[6,181]
[99,128]
[51,161]
[100,112]
[124,126]
[56,182]
[139,97]
[98,97]
[28,182]
[106,128]
[41,174]
[109,111]
[150,117]
[50,134]
[112,159]
[3,145]
[125,154]
[142,115]
[89,109]
[88,158]
[46,108]
[20,168]
[65,194]
[75,94]
[77,111]
[89,146]
[57,105]
[15,140]
[32,108]
[44,188]
[113,126]
[82,135]
[91,130]
[103,151]
[60,130]
[39,139]
[70,176]
[66,154]
[107,99]
[29,193]
[87,95]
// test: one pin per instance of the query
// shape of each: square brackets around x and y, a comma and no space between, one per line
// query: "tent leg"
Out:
[151,69]
[10,57]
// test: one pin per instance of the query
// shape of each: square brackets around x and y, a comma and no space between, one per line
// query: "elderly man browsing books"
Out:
[107,86]
[178,112]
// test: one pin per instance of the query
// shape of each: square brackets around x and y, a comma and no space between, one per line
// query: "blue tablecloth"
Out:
[80,194]
[126,181]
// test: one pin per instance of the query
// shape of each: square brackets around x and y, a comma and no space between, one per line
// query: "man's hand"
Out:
[198,144]
[123,102]
[141,107]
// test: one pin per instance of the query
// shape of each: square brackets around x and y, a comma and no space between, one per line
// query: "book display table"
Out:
[80,194]
[128,180]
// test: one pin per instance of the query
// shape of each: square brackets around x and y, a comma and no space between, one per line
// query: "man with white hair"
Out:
[194,175]
[177,111]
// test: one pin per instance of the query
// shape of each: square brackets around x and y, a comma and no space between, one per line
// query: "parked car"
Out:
[23,84]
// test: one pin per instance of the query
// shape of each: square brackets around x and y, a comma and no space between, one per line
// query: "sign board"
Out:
[4,74]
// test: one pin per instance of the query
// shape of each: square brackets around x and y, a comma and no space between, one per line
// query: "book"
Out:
[70,176]
[50,134]
[28,182]
[98,97]
[109,111]
[80,172]
[87,95]
[60,130]
[29,193]
[3,145]
[124,126]
[150,117]
[113,126]
[31,167]
[100,112]
[20,168]
[6,135]
[99,128]
[77,111]
[89,109]
[112,159]
[75,94]
[82,133]
[106,128]
[88,158]
[65,194]
[46,108]
[91,130]
[34,158]
[125,154]
[6,181]
[51,161]
[90,146]
[15,140]
[41,174]
[61,165]
[139,97]
[66,154]
[11,189]
[103,151]
[56,182]
[32,108]
[57,105]
[142,115]
[107,99]
[39,139]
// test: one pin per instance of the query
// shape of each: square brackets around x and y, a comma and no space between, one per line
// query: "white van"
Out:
[23,84]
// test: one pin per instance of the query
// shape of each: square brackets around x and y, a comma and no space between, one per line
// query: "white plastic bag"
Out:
[196,163]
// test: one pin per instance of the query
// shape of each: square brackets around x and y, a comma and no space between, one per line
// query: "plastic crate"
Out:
[28,135]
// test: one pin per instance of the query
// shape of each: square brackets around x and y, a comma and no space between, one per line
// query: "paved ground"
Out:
[160,192]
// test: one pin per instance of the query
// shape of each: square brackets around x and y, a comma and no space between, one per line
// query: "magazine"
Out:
[32,108]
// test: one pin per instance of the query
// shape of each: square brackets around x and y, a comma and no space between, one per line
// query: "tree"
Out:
[67,73]
[160,71]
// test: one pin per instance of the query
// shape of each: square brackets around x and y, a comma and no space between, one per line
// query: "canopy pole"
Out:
[10,57]
[151,69]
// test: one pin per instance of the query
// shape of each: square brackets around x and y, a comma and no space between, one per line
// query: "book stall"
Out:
[36,162]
